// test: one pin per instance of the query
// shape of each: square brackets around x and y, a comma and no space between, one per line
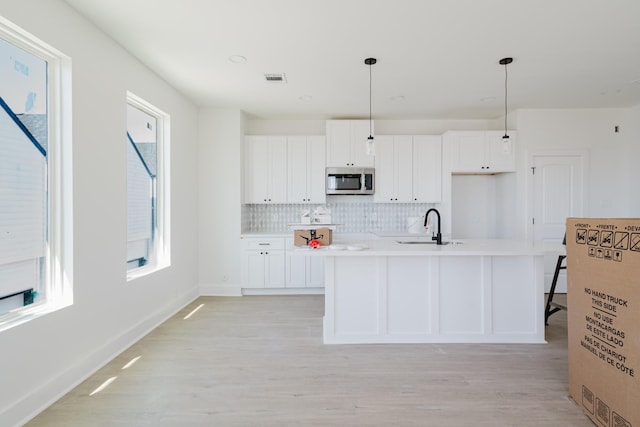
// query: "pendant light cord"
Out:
[505,62]
[505,101]
[370,62]
[370,86]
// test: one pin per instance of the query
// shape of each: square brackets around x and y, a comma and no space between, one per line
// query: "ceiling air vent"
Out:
[275,77]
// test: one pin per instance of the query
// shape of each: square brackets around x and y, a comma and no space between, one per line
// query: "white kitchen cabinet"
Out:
[304,271]
[427,169]
[394,179]
[265,169]
[347,143]
[263,263]
[266,263]
[306,158]
[408,169]
[481,152]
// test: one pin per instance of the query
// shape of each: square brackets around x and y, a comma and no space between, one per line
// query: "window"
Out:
[35,231]
[147,195]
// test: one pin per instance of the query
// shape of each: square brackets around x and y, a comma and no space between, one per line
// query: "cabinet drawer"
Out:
[269,243]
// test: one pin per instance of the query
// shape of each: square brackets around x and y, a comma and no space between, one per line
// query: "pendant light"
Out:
[505,62]
[370,145]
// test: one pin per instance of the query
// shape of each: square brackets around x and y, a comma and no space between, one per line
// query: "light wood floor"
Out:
[260,361]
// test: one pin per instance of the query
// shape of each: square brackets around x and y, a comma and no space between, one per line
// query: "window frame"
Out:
[160,256]
[58,286]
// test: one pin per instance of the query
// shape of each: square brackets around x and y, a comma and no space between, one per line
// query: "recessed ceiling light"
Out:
[237,59]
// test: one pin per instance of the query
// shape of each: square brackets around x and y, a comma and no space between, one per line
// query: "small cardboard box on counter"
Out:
[603,310]
[302,237]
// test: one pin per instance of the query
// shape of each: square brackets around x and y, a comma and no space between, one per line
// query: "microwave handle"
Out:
[363,181]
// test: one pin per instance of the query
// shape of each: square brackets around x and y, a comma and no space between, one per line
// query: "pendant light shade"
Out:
[370,145]
[505,62]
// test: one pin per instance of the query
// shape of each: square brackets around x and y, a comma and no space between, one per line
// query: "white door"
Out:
[558,193]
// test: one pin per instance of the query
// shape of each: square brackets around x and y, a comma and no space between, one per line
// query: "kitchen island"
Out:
[384,291]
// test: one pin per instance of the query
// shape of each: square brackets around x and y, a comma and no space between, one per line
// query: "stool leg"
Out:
[547,311]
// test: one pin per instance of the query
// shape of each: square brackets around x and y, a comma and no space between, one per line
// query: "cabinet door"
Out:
[427,169]
[296,271]
[316,179]
[467,152]
[403,163]
[254,264]
[275,269]
[338,143]
[500,153]
[297,163]
[359,137]
[315,272]
[277,169]
[256,169]
[385,170]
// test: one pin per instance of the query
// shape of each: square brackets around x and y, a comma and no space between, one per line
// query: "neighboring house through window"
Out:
[33,244]
[147,236]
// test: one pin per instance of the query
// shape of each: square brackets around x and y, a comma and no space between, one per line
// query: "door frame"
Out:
[529,181]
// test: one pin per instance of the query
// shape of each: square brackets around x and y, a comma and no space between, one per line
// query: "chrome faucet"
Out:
[437,237]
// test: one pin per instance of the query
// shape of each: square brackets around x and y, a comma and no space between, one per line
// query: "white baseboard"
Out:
[283,291]
[87,365]
[226,290]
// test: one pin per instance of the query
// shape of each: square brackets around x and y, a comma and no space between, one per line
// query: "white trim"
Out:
[212,290]
[161,257]
[283,291]
[59,270]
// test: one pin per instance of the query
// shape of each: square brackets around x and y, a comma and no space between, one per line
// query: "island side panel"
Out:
[408,296]
[518,298]
[413,298]
[352,298]
[462,297]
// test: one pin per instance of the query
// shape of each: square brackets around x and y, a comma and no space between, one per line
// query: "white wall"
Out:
[631,131]
[43,358]
[609,171]
[220,142]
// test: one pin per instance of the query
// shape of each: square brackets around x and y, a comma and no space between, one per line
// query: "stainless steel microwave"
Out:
[350,180]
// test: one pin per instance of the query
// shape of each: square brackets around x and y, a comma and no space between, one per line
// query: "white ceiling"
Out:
[440,55]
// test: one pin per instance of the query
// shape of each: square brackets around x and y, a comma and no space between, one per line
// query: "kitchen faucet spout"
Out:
[437,237]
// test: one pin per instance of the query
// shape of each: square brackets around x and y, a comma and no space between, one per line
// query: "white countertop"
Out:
[390,247]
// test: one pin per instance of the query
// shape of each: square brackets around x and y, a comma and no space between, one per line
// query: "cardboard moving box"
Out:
[302,237]
[603,309]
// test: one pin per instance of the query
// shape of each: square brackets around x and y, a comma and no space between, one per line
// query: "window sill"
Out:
[34,311]
[145,271]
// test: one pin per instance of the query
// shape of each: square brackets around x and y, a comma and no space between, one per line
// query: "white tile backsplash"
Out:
[353,216]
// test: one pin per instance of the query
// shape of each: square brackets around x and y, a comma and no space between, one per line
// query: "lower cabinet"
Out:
[263,263]
[267,264]
[304,271]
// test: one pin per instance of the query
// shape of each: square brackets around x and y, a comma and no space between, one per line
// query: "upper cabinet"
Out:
[408,169]
[347,143]
[306,156]
[481,152]
[393,169]
[427,169]
[265,169]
